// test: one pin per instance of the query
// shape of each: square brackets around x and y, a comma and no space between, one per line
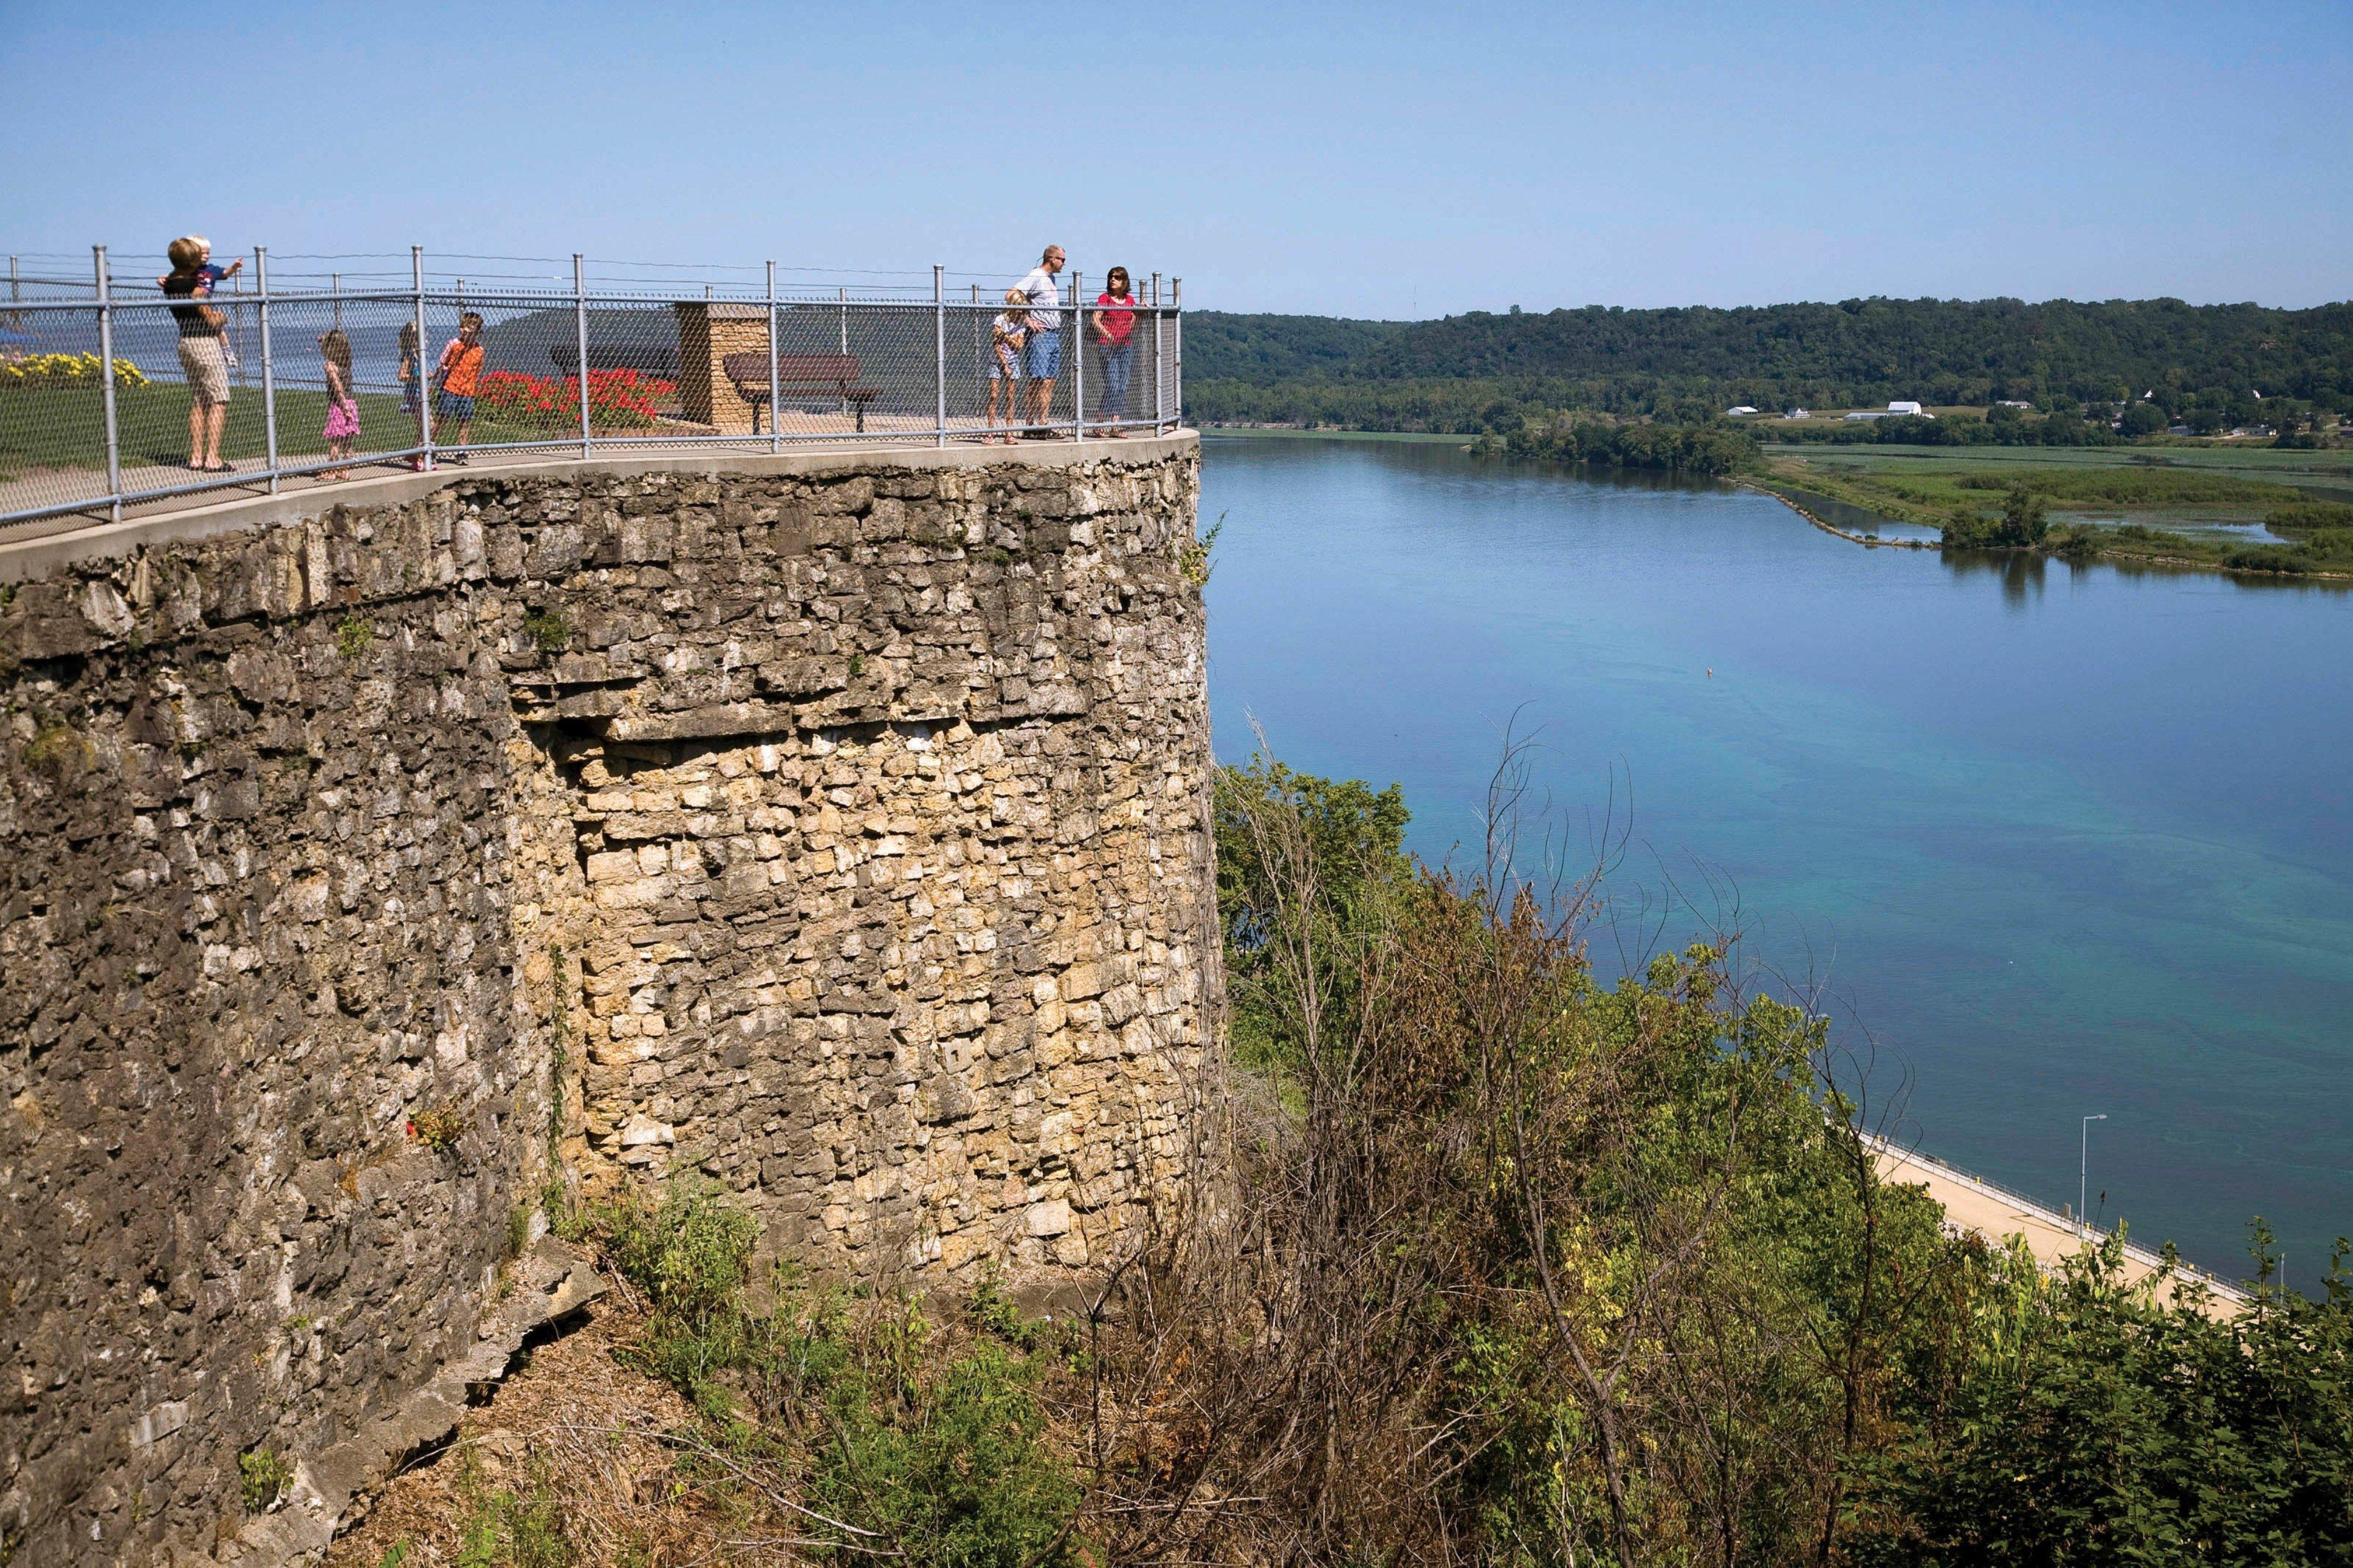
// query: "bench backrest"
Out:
[817,370]
[648,359]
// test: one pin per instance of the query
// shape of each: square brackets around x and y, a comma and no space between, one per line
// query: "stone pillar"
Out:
[708,332]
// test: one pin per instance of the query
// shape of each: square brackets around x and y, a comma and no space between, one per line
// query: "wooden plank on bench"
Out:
[837,373]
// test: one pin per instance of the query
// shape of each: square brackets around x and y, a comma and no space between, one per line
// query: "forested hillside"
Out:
[1480,371]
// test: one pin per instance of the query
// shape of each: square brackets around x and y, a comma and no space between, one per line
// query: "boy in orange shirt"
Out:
[460,375]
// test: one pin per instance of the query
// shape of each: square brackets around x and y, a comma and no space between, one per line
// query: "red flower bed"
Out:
[617,399]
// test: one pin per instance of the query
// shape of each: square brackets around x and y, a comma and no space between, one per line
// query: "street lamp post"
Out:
[2083,1176]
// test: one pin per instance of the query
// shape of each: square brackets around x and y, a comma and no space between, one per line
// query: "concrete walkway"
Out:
[1973,1203]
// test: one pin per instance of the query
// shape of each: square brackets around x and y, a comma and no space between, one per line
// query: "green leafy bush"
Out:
[930,1441]
[2284,559]
[262,1475]
[549,630]
[437,1126]
[2307,517]
[1606,443]
[2023,524]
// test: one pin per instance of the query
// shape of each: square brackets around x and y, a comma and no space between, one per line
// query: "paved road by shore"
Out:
[1980,1205]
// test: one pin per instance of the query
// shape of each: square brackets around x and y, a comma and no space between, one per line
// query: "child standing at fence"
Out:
[1002,365]
[460,375]
[412,383]
[343,425]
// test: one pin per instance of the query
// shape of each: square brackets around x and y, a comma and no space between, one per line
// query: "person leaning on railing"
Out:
[204,356]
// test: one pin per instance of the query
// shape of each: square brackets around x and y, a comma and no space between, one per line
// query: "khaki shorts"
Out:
[206,368]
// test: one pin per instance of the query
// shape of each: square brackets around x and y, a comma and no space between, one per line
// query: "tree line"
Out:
[1715,449]
[1469,372]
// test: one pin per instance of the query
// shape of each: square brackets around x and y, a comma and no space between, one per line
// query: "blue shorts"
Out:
[455,405]
[1041,358]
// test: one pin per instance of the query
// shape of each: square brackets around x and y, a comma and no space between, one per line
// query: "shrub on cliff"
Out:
[1525,1268]
[895,1434]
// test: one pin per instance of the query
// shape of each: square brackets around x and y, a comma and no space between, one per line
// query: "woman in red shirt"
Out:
[1114,335]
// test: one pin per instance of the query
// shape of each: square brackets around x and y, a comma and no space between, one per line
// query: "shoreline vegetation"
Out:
[2100,510]
[2006,508]
[1510,1266]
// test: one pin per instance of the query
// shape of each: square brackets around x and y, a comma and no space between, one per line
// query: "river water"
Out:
[2059,841]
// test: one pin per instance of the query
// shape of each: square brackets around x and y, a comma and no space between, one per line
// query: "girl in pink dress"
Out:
[342,409]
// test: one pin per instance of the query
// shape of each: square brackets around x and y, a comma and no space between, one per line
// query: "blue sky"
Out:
[1360,160]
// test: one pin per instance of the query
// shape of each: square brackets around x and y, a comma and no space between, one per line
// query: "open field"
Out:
[2334,466]
[2228,510]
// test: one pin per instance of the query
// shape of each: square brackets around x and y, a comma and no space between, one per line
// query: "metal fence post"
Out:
[233,341]
[1159,357]
[940,347]
[268,372]
[424,380]
[106,380]
[335,287]
[1077,347]
[1177,326]
[775,431]
[580,343]
[842,405]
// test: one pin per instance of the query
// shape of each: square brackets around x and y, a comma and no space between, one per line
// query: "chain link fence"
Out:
[114,398]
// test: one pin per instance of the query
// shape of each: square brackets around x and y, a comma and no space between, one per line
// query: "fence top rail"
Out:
[501,298]
[359,275]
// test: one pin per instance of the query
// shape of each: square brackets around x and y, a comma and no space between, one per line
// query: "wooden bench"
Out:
[650,360]
[832,374]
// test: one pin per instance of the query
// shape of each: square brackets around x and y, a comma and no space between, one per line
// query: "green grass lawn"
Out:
[65,427]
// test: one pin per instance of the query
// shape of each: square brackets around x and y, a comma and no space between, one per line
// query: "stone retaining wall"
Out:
[834,829]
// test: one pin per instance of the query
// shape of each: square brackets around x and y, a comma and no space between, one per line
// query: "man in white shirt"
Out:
[1041,356]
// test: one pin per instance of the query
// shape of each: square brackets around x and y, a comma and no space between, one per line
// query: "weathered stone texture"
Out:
[840,837]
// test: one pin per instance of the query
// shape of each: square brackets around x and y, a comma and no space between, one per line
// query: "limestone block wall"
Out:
[707,333]
[832,829]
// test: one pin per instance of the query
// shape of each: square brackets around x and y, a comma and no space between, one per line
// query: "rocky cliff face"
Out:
[836,831]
